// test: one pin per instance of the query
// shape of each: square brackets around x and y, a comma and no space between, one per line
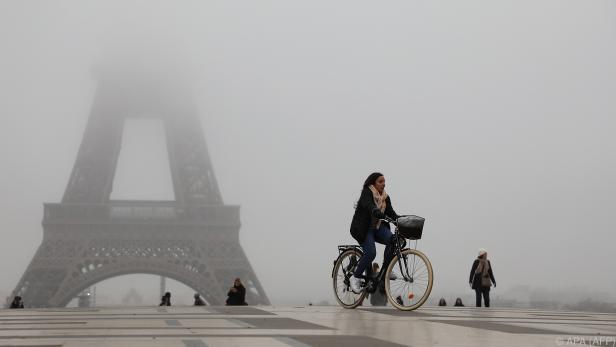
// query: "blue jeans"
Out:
[383,236]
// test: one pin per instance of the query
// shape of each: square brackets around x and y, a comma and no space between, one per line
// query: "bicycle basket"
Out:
[410,227]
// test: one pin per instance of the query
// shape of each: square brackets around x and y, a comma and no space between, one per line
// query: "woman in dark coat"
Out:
[481,278]
[237,294]
[367,228]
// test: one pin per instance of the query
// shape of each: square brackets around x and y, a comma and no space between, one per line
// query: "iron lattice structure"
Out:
[88,238]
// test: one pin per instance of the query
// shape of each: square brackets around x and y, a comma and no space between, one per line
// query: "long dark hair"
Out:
[372,179]
[369,181]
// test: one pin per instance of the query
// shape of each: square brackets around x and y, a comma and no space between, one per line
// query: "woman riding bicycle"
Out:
[367,226]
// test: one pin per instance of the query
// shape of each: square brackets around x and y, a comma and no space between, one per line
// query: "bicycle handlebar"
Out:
[389,220]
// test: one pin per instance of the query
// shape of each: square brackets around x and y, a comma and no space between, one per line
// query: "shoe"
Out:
[355,284]
[399,300]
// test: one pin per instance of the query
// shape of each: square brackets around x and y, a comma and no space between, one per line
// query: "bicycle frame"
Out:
[400,243]
[348,259]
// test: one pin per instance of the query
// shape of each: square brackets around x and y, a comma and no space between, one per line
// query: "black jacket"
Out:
[476,280]
[238,297]
[165,301]
[17,304]
[364,212]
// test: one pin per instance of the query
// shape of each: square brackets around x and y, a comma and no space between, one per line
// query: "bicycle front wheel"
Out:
[343,270]
[408,280]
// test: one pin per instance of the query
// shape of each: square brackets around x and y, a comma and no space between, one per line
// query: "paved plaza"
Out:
[301,326]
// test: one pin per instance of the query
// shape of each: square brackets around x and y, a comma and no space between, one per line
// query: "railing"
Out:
[141,212]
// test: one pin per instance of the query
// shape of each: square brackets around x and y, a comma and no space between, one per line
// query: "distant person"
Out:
[442,302]
[459,303]
[17,302]
[378,298]
[237,294]
[481,278]
[166,299]
[198,300]
[399,300]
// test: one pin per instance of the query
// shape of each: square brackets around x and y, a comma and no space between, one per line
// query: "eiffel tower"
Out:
[88,238]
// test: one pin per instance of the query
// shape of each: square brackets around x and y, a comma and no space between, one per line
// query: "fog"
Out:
[494,120]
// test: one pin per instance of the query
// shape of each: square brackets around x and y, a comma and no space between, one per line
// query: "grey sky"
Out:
[492,119]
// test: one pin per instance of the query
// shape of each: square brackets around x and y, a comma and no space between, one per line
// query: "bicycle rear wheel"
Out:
[343,270]
[408,280]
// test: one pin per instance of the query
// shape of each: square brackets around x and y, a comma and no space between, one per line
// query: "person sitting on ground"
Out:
[198,300]
[17,303]
[378,298]
[459,303]
[442,302]
[236,294]
[399,300]
[166,299]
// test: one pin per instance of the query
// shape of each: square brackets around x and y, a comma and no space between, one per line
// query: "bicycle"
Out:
[407,278]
